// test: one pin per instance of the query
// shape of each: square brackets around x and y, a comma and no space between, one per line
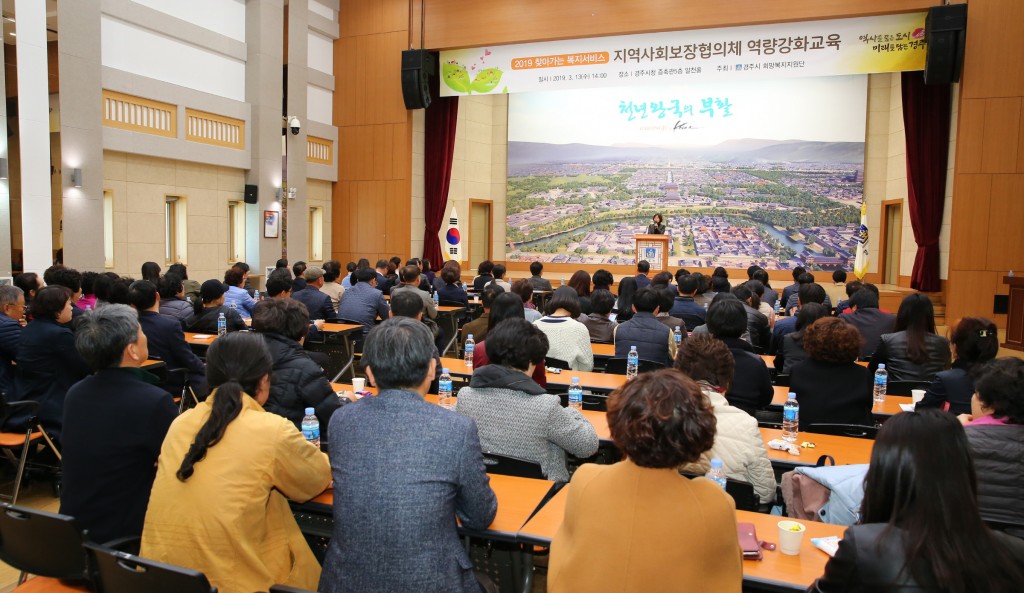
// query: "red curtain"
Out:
[926,111]
[439,147]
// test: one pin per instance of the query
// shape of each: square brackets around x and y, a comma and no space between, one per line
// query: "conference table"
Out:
[890,407]
[597,382]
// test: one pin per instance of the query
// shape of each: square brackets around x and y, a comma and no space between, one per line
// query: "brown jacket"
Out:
[630,529]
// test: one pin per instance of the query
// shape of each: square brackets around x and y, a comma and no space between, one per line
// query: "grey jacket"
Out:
[600,327]
[998,453]
[517,418]
[403,470]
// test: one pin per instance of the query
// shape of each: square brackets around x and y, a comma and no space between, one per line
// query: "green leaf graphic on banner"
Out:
[486,81]
[456,77]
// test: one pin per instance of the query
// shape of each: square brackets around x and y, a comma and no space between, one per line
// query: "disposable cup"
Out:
[358,384]
[917,395]
[791,536]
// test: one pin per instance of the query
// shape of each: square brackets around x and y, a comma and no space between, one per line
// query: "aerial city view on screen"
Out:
[746,180]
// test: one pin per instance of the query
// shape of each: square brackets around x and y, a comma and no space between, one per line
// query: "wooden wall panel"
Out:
[994,49]
[1002,126]
[970,135]
[1006,223]
[969,233]
[458,23]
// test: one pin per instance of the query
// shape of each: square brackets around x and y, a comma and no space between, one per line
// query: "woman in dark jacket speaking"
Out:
[297,382]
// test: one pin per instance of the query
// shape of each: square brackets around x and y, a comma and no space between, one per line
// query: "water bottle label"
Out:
[791,414]
[311,433]
[445,386]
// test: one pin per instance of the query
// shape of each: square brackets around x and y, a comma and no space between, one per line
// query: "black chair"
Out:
[844,430]
[740,491]
[556,363]
[782,380]
[903,388]
[512,466]
[339,351]
[120,572]
[593,341]
[287,589]
[41,543]
[617,366]
[13,441]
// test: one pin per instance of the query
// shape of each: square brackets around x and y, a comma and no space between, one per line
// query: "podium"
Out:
[654,249]
[1015,319]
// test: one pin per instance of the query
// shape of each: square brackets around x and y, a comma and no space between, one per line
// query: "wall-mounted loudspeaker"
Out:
[417,67]
[945,30]
[251,194]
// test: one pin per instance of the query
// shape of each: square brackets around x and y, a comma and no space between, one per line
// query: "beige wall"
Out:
[318,194]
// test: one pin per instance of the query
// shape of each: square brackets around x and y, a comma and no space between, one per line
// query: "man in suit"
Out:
[363,303]
[792,288]
[166,340]
[397,497]
[643,267]
[12,310]
[318,304]
[538,283]
[114,423]
[685,307]
[410,278]
[869,320]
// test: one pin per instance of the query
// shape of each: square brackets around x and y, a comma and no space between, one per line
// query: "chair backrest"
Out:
[120,572]
[741,492]
[287,589]
[41,543]
[782,380]
[844,430]
[905,387]
[512,466]
[617,366]
[444,303]
[556,363]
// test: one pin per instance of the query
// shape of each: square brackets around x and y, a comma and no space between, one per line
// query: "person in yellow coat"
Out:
[226,471]
[638,526]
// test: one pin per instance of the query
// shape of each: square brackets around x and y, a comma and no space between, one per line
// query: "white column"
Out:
[34,132]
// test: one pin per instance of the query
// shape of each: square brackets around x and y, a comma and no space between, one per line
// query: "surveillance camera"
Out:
[294,125]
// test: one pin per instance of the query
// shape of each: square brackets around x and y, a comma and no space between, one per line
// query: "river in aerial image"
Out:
[783,238]
[525,245]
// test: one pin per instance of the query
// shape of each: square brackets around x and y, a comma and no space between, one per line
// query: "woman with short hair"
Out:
[830,386]
[516,416]
[226,471]
[483,277]
[524,288]
[792,351]
[569,339]
[975,341]
[580,282]
[920,529]
[506,305]
[913,351]
[450,288]
[738,441]
[638,525]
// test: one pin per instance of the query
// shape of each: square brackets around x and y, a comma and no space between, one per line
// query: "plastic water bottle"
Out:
[576,394]
[678,337]
[311,427]
[222,324]
[881,384]
[705,308]
[436,300]
[470,345]
[715,474]
[563,282]
[632,363]
[444,389]
[791,419]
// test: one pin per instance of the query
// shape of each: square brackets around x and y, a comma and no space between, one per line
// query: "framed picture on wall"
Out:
[271,224]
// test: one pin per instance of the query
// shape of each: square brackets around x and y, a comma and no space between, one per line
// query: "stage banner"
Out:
[889,43]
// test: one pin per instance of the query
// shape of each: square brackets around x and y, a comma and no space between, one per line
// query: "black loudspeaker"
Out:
[945,28]
[250,194]
[417,66]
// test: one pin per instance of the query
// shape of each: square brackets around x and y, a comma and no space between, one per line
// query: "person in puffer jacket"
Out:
[738,441]
[995,430]
[297,382]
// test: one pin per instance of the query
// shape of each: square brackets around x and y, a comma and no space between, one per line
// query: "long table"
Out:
[776,571]
[890,407]
[592,381]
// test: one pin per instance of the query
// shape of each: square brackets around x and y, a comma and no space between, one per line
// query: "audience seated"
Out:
[191,287]
[299,273]
[792,288]
[12,313]
[450,289]
[166,340]
[624,304]
[601,328]
[830,386]
[630,526]
[237,297]
[114,424]
[667,298]
[88,299]
[685,307]
[913,352]
[770,296]
[975,342]
[396,499]
[794,299]
[792,351]
[920,529]
[48,363]
[603,280]
[751,387]
[408,304]
[30,283]
[568,338]
[524,288]
[346,278]
[539,283]
[515,415]
[836,290]
[869,320]
[226,471]
[331,287]
[210,306]
[757,323]
[580,282]
[505,306]
[663,280]
[807,293]
[381,268]
[151,271]
[718,284]
[757,289]
[479,326]
[499,278]
[654,341]
[995,430]
[297,382]
[738,441]
[410,277]
[704,293]
[643,267]
[484,276]
[363,303]
[172,300]
[318,304]
[70,279]
[843,306]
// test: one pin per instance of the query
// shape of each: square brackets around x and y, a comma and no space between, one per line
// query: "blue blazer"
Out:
[318,304]
[167,342]
[403,470]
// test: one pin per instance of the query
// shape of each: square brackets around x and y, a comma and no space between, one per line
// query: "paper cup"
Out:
[917,395]
[791,536]
[358,384]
